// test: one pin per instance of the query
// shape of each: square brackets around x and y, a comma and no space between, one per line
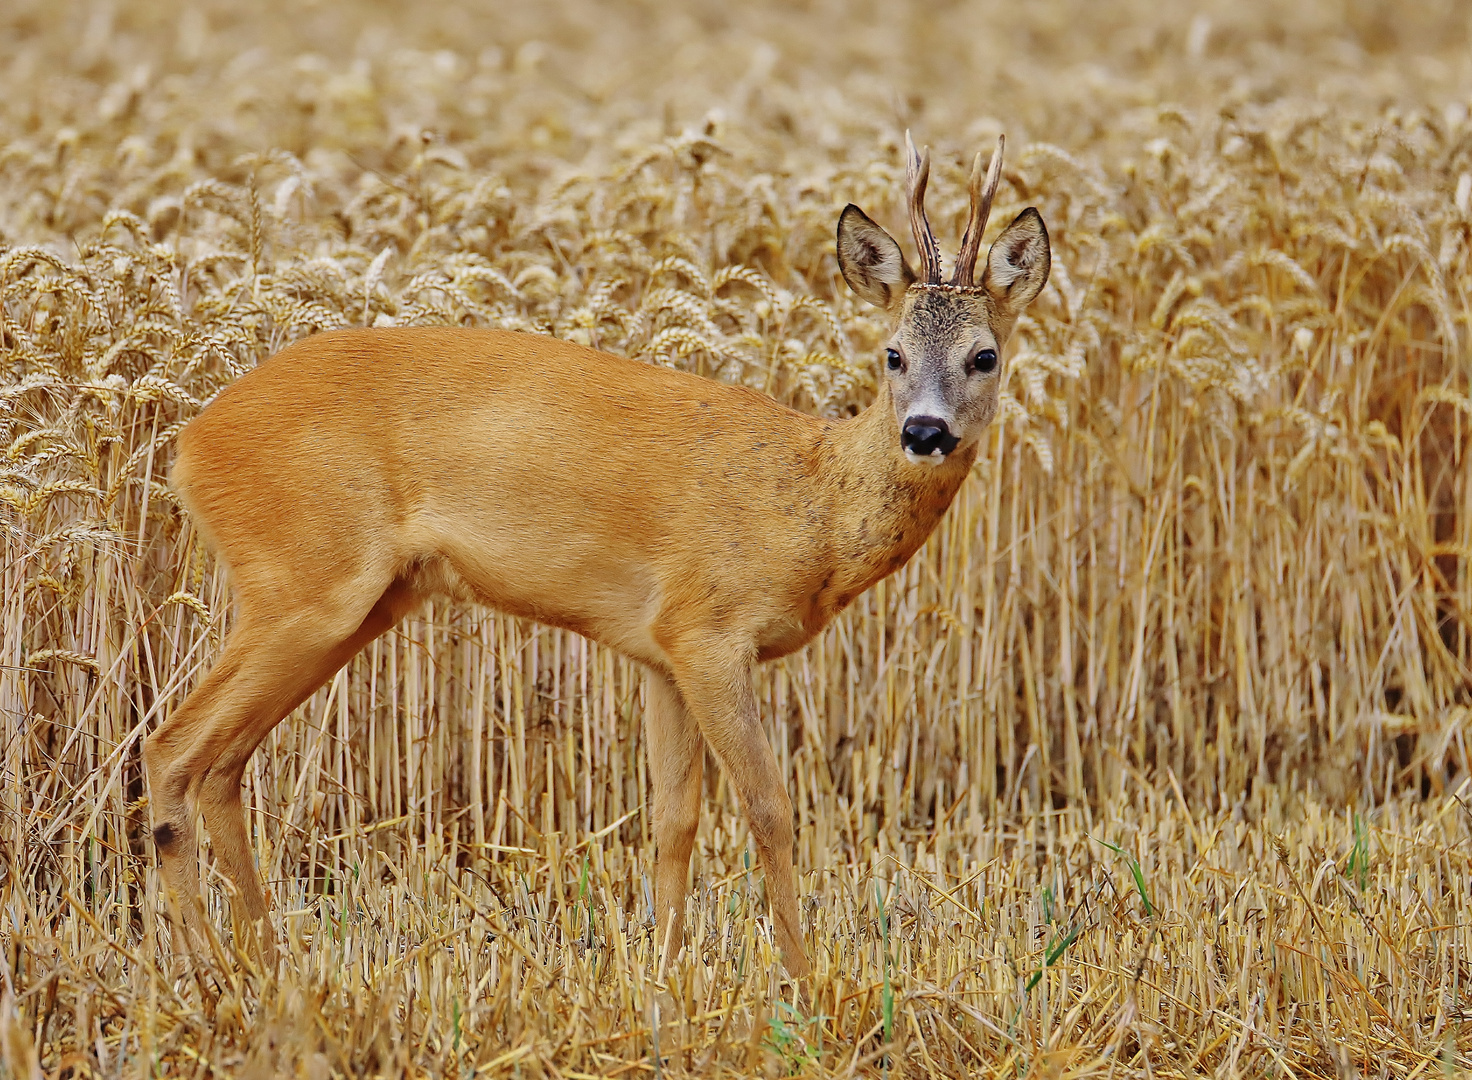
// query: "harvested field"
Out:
[1153,762]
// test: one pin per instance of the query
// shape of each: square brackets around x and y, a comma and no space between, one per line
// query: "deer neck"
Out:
[884,507]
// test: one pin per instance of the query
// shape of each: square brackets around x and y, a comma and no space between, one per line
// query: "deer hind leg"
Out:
[714,678]
[171,792]
[676,761]
[268,668]
[219,795]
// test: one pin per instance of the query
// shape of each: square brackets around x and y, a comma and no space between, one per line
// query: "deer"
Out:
[697,527]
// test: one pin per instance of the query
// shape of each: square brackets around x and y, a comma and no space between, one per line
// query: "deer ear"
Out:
[871,261]
[1017,265]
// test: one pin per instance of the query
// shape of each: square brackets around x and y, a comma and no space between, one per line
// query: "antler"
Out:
[981,209]
[917,174]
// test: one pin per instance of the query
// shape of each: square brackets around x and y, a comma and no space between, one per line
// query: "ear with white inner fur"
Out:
[1017,265]
[871,262]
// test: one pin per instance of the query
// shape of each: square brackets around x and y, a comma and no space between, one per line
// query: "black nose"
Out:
[924,435]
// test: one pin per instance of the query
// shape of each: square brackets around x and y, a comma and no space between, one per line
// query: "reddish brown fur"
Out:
[694,526]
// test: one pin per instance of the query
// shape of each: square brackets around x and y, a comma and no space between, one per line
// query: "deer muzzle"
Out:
[927,439]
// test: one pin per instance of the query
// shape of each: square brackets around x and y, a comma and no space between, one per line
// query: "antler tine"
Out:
[981,209]
[917,175]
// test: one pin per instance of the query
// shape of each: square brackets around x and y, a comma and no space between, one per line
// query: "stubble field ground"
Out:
[1152,763]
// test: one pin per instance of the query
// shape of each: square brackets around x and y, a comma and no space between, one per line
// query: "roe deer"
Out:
[696,527]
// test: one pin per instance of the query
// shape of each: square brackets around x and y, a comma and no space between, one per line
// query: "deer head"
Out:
[943,361]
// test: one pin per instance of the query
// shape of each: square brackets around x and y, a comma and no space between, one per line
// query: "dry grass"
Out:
[1148,764]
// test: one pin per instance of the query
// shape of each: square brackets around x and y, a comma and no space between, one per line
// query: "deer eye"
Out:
[986,360]
[892,358]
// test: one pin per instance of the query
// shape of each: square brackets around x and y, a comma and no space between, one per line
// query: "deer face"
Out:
[943,361]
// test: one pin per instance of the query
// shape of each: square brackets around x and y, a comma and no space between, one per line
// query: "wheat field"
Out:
[1153,762]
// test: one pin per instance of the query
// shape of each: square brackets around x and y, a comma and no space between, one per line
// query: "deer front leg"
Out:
[714,678]
[676,759]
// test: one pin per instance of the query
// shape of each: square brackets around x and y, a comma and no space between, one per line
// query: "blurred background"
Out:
[566,82]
